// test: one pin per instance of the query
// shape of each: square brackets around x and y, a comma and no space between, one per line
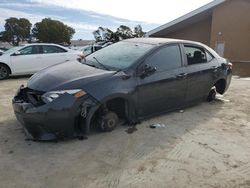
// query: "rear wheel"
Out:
[4,72]
[211,95]
[108,121]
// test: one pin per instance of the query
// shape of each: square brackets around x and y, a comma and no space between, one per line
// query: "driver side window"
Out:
[167,58]
[26,51]
[30,50]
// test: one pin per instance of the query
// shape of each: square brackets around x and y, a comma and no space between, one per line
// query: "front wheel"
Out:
[4,72]
[108,121]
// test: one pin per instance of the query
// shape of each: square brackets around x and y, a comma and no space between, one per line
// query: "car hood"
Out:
[69,75]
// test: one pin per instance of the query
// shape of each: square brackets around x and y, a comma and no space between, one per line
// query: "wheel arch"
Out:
[116,101]
[220,85]
[1,63]
[123,111]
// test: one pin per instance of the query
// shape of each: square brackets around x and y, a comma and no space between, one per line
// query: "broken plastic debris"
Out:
[221,98]
[157,125]
[130,130]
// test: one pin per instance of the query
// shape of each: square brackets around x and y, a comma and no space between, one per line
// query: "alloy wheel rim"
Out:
[3,72]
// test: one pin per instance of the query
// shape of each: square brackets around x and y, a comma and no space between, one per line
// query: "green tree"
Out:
[105,34]
[122,32]
[16,30]
[53,31]
[138,32]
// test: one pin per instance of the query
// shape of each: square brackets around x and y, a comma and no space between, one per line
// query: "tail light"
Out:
[230,65]
[81,55]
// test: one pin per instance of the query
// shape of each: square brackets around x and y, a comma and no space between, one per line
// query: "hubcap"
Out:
[3,72]
[111,123]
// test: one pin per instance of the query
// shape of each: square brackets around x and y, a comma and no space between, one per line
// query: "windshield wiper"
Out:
[100,63]
[92,65]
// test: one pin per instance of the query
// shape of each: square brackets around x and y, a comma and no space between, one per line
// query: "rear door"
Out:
[165,89]
[202,70]
[28,61]
[53,55]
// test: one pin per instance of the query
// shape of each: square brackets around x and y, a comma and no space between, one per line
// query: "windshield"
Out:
[119,55]
[12,50]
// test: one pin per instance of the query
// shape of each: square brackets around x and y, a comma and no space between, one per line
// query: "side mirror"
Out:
[147,70]
[16,53]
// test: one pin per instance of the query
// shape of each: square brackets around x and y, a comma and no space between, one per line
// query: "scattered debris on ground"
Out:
[157,125]
[131,130]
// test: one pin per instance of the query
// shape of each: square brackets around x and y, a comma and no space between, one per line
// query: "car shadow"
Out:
[18,77]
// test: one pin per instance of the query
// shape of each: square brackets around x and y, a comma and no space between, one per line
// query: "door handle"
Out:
[182,75]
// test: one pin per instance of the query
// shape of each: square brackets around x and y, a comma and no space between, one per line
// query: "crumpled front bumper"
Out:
[56,120]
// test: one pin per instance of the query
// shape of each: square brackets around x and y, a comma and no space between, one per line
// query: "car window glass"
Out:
[209,56]
[120,55]
[166,58]
[87,49]
[97,48]
[35,49]
[195,55]
[52,49]
[26,51]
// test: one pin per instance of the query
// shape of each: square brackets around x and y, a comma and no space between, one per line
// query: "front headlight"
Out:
[52,95]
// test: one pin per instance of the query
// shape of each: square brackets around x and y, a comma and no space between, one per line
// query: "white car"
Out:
[30,58]
[1,52]
[89,49]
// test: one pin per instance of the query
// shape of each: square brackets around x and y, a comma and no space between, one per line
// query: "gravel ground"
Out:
[207,145]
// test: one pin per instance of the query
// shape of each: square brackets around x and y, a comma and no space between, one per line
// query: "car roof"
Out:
[162,41]
[159,41]
[52,44]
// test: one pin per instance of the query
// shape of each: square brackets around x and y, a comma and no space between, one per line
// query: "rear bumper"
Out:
[228,80]
[56,120]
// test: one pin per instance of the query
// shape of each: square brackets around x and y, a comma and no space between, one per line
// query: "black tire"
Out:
[211,95]
[108,122]
[4,72]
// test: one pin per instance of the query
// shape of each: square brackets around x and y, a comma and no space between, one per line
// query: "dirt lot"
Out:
[206,146]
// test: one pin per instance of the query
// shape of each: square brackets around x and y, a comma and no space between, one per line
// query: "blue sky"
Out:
[87,15]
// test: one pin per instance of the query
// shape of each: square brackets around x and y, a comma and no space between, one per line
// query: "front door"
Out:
[165,88]
[28,61]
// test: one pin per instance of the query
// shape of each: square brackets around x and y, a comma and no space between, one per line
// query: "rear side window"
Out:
[197,55]
[166,58]
[209,56]
[52,49]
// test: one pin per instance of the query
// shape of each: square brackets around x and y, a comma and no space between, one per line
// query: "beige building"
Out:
[224,25]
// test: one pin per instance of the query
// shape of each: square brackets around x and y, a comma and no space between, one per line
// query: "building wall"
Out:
[199,32]
[231,26]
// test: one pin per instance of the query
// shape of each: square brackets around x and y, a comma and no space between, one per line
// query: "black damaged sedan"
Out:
[125,82]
